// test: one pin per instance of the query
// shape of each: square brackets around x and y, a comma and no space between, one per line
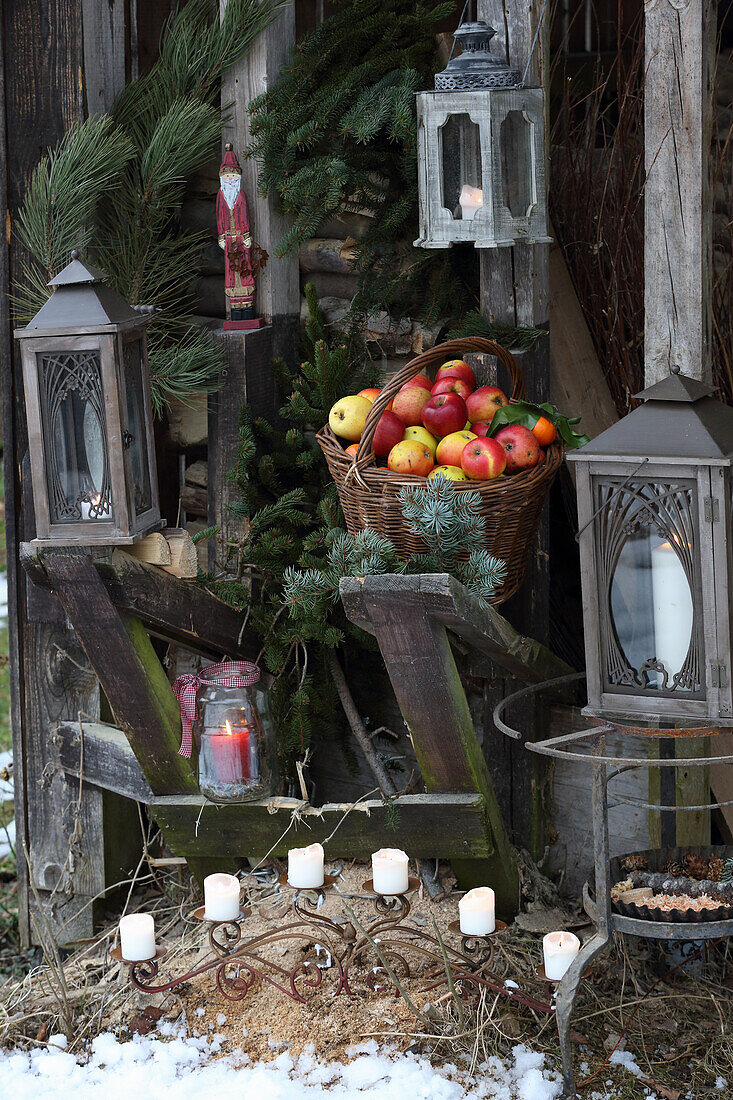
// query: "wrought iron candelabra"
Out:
[357,958]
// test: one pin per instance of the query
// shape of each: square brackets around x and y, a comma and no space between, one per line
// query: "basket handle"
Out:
[437,355]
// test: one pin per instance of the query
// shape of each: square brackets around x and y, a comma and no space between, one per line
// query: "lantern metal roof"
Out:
[476,67]
[81,299]
[679,418]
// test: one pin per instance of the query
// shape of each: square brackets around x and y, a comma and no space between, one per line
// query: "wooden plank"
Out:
[450,826]
[170,608]
[450,603]
[577,384]
[277,292]
[248,380]
[425,679]
[102,754]
[129,671]
[104,30]
[721,778]
[679,43]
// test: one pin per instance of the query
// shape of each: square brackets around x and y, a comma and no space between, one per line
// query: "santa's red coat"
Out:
[232,223]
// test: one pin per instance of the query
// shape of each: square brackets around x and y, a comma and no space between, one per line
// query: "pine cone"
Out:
[635,862]
[696,866]
[674,868]
[716,866]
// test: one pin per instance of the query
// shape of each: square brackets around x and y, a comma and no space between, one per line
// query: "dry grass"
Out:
[631,988]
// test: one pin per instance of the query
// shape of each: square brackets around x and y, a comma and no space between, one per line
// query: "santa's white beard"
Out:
[230,190]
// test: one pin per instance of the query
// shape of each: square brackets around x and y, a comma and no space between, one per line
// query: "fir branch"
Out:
[476,324]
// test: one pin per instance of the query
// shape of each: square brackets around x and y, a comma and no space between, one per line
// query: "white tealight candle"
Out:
[672,610]
[137,937]
[470,200]
[476,911]
[390,871]
[305,867]
[559,950]
[221,897]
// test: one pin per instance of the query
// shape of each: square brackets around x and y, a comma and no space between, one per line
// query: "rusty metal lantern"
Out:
[481,151]
[88,406]
[654,514]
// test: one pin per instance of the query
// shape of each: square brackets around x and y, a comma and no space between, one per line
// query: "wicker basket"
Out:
[511,506]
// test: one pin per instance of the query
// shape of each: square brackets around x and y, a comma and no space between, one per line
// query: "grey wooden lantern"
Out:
[90,430]
[654,514]
[481,151]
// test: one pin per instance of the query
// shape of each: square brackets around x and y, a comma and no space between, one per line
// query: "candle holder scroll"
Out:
[356,958]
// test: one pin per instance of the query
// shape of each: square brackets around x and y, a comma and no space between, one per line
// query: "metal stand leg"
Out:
[568,987]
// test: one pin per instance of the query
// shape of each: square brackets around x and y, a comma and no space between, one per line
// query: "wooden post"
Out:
[104,27]
[515,290]
[248,380]
[679,40]
[277,294]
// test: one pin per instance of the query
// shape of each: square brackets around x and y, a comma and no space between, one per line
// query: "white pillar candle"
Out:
[476,910]
[221,897]
[390,871]
[305,867]
[137,937]
[672,602]
[470,200]
[559,950]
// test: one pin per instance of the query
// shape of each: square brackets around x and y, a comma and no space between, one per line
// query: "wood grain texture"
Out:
[277,290]
[104,31]
[129,671]
[102,754]
[426,683]
[680,55]
[450,826]
[248,380]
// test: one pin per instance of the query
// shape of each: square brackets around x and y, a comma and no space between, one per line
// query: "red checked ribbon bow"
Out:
[227,673]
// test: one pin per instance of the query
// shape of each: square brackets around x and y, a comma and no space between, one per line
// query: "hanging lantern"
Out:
[481,151]
[90,431]
[654,514]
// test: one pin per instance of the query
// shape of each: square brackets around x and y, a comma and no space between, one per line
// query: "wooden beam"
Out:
[679,43]
[277,293]
[422,668]
[101,755]
[104,30]
[452,826]
[170,608]
[129,671]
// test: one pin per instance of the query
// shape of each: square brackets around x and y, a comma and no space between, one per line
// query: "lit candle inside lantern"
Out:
[390,871]
[305,867]
[137,937]
[86,507]
[230,753]
[476,909]
[221,897]
[470,200]
[672,601]
[559,950]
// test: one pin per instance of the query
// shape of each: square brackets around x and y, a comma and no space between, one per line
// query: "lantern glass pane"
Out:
[517,166]
[135,439]
[649,587]
[75,436]
[462,184]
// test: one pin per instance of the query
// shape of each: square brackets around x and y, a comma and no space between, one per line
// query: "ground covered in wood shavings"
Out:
[640,1028]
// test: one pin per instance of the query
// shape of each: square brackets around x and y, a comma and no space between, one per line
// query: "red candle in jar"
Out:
[230,753]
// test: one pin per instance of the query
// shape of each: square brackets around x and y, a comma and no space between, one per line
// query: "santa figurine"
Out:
[242,260]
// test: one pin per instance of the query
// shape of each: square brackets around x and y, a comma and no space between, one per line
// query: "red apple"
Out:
[419,380]
[483,403]
[409,404]
[452,385]
[483,459]
[481,428]
[457,368]
[450,449]
[521,446]
[372,393]
[410,457]
[444,413]
[389,431]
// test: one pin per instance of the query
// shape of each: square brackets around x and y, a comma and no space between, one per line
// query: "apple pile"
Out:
[443,428]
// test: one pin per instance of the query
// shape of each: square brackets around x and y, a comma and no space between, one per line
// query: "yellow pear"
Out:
[348,416]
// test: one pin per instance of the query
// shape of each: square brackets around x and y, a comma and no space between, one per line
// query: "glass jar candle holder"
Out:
[237,749]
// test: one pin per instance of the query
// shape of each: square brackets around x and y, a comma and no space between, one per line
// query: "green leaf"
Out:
[527,414]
